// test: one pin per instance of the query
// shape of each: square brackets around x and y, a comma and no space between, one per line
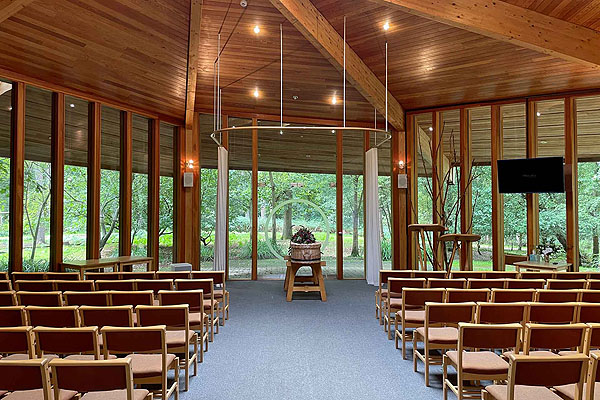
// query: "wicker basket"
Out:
[305,252]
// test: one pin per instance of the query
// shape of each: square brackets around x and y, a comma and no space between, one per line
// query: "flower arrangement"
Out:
[303,236]
[546,249]
[304,247]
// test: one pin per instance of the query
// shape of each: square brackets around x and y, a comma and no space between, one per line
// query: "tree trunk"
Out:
[355,209]
[37,227]
[287,223]
[273,199]
[595,246]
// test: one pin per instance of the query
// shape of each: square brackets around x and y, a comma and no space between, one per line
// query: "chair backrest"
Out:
[467,274]
[564,284]
[134,298]
[593,376]
[593,339]
[34,286]
[205,285]
[466,295]
[57,317]
[21,276]
[218,277]
[590,296]
[172,275]
[501,313]
[525,283]
[138,275]
[571,275]
[13,316]
[115,284]
[429,274]
[17,340]
[554,337]
[557,296]
[396,285]
[552,313]
[501,275]
[8,298]
[589,313]
[4,276]
[386,274]
[144,339]
[449,314]
[103,276]
[593,284]
[6,286]
[175,317]
[488,336]
[50,299]
[458,283]
[100,298]
[193,298]
[593,275]
[74,286]
[418,297]
[485,283]
[546,371]
[93,376]
[62,276]
[101,316]
[25,375]
[155,285]
[512,295]
[67,341]
[536,275]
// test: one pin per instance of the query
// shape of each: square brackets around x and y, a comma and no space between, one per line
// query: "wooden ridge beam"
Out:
[192,61]
[8,8]
[17,176]
[509,23]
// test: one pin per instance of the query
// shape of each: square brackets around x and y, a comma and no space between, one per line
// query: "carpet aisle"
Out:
[306,349]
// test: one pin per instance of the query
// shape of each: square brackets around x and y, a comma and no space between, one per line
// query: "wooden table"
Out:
[541,266]
[316,279]
[116,263]
[421,231]
[458,240]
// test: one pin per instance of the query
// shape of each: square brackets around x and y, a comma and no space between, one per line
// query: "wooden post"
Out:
[497,198]
[339,197]
[466,188]
[225,143]
[412,169]
[571,160]
[254,200]
[125,182]
[93,190]
[533,209]
[17,171]
[179,217]
[366,147]
[57,180]
[192,227]
[437,182]
[153,189]
[399,204]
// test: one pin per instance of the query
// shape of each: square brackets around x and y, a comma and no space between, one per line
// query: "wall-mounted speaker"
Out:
[188,179]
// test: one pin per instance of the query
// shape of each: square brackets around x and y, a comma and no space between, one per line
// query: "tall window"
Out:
[451,194]
[36,191]
[109,182]
[353,204]
[208,192]
[423,127]
[166,207]
[5,109]
[384,154]
[139,190]
[75,179]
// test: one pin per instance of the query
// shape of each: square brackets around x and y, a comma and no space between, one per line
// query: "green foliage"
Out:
[303,236]
[386,250]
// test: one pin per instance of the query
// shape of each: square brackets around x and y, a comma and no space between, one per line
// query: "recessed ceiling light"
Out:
[295,97]
[431,129]
[72,105]
[543,142]
[334,100]
[538,113]
[9,108]
[386,26]
[256,29]
[333,131]
[281,132]
[308,156]
[256,94]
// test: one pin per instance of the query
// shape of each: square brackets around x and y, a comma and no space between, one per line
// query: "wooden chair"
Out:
[525,284]
[530,377]
[440,331]
[393,301]
[34,286]
[593,284]
[13,316]
[99,298]
[412,314]
[557,296]
[501,313]
[156,285]
[21,276]
[467,274]
[179,335]
[501,275]
[49,299]
[592,384]
[566,284]
[74,343]
[62,276]
[134,298]
[512,295]
[56,317]
[537,275]
[221,293]
[429,274]
[4,276]
[552,313]
[473,364]
[102,316]
[74,286]
[486,283]
[590,296]
[122,285]
[592,341]
[199,321]
[6,286]
[382,292]
[105,276]
[444,283]
[8,298]
[588,313]
[593,275]
[138,275]
[29,379]
[571,275]
[98,380]
[147,349]
[173,275]
[552,338]
[211,306]
[17,342]
[466,295]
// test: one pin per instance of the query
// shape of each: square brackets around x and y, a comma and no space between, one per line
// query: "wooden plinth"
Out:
[317,283]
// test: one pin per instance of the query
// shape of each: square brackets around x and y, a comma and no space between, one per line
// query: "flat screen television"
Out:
[531,175]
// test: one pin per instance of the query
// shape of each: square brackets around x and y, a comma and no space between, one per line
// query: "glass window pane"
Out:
[109,182]
[353,204]
[384,154]
[5,111]
[139,186]
[208,192]
[166,207]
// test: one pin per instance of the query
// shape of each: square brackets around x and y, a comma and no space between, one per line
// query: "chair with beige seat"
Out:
[74,286]
[29,379]
[440,332]
[557,295]
[56,317]
[473,364]
[502,313]
[98,298]
[553,313]
[8,298]
[393,301]
[49,299]
[466,295]
[220,291]
[437,283]
[11,316]
[592,384]
[17,342]
[211,306]
[34,286]
[566,284]
[548,339]
[74,343]
[512,295]
[382,291]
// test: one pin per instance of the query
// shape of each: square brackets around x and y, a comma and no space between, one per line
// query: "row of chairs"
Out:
[409,273]
[70,379]
[217,276]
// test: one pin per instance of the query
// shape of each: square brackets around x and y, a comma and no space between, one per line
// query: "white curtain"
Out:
[373,220]
[220,257]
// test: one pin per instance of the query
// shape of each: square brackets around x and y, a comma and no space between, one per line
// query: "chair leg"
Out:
[187,371]
[415,351]
[227,308]
[444,377]
[396,332]
[403,337]
[426,352]
[212,326]
[459,382]
[196,353]
[177,380]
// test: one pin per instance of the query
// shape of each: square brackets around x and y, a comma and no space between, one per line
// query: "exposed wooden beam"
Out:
[497,200]
[339,200]
[8,8]
[153,189]
[514,24]
[125,182]
[438,173]
[400,203]
[192,61]
[412,169]
[254,200]
[57,179]
[17,175]
[466,188]
[533,202]
[571,162]
[93,190]
[179,212]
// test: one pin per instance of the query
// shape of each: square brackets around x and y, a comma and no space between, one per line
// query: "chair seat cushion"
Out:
[500,392]
[440,335]
[177,338]
[480,362]
[413,316]
[38,394]
[568,391]
[138,394]
[88,357]
[218,294]
[20,357]
[196,319]
[396,304]
[383,293]
[538,353]
[148,365]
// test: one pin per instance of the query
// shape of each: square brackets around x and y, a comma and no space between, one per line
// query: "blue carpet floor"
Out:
[306,349]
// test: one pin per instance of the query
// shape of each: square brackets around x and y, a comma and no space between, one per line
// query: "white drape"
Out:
[220,258]
[373,219]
